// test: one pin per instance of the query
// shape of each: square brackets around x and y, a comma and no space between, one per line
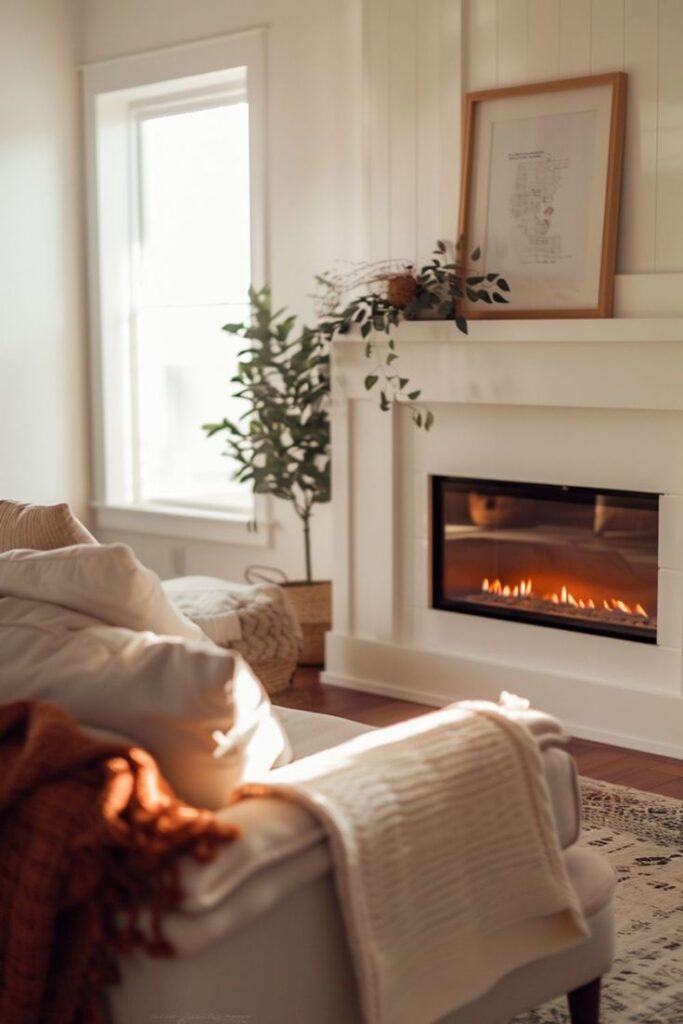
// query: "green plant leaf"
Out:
[370,381]
[461,324]
[429,421]
[503,285]
[414,395]
[476,254]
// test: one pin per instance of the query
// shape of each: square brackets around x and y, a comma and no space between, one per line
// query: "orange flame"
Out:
[524,589]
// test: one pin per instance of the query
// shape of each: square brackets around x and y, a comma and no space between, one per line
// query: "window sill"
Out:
[182,524]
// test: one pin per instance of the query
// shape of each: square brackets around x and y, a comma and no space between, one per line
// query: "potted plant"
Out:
[281,443]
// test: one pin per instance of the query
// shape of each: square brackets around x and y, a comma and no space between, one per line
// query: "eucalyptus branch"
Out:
[437,290]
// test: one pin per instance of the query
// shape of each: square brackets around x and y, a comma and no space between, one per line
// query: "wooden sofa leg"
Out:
[584,1003]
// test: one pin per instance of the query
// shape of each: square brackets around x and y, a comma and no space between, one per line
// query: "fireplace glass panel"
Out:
[568,557]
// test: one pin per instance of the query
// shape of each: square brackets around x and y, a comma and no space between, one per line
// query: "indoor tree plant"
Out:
[281,443]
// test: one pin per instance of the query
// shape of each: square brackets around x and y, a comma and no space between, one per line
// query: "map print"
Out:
[538,178]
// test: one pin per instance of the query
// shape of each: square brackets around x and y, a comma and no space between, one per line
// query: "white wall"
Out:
[315,171]
[43,441]
[430,49]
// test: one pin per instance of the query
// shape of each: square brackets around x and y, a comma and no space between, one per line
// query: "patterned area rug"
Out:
[642,836]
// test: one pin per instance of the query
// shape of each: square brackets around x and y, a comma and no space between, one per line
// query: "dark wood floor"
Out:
[648,772]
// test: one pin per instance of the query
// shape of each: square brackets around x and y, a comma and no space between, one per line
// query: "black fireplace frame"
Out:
[567,493]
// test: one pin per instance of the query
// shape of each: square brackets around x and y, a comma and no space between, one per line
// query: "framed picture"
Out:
[539,202]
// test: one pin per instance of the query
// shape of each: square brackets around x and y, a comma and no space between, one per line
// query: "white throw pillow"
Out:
[105,581]
[198,709]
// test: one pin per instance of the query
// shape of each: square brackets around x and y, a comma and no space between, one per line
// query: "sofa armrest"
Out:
[283,846]
[560,770]
[273,833]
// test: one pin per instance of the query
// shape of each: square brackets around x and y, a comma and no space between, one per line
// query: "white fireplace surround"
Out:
[597,403]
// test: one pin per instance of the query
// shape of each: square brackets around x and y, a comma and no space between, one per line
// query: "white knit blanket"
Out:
[446,859]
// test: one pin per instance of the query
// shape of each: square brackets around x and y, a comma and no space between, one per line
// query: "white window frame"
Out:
[109,330]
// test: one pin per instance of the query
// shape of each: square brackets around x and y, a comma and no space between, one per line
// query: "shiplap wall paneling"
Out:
[543,52]
[607,35]
[377,102]
[480,50]
[451,88]
[575,38]
[513,18]
[669,237]
[403,43]
[428,156]
[637,227]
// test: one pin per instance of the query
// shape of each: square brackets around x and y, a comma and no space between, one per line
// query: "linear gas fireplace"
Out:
[568,557]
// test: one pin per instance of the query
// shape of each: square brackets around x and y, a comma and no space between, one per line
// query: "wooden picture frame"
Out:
[540,195]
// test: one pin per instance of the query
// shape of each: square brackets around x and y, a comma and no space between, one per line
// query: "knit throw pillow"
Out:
[40,527]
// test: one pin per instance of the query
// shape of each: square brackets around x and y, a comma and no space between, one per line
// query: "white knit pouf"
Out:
[258,621]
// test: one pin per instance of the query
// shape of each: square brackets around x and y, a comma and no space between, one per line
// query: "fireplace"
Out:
[567,557]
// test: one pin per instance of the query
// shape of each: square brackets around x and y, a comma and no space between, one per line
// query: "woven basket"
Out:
[275,676]
[312,604]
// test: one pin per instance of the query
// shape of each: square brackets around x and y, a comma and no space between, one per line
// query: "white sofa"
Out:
[260,939]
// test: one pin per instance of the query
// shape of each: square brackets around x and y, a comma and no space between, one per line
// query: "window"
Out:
[176,199]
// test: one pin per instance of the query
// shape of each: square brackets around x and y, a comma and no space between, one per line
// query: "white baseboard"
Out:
[619,716]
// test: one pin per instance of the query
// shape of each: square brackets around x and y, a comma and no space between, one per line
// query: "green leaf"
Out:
[461,324]
[429,421]
[402,381]
[475,280]
[370,381]
[365,329]
[476,254]
[503,285]
[368,350]
[384,402]
[414,395]
[498,298]
[491,277]
[484,295]
[392,344]
[417,419]
[391,358]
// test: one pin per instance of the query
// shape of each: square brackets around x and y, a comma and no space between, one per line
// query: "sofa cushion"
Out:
[105,581]
[197,708]
[309,732]
[41,527]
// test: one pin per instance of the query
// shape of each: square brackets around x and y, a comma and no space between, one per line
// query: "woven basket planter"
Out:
[312,604]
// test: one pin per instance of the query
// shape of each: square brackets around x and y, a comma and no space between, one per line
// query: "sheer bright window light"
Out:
[176,220]
[193,272]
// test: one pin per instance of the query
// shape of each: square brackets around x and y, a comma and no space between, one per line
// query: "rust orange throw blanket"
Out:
[90,835]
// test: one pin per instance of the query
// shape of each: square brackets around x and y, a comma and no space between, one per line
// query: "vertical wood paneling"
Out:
[403,124]
[669,243]
[378,105]
[451,88]
[543,53]
[575,38]
[607,35]
[512,41]
[480,53]
[637,236]
[428,127]
[416,75]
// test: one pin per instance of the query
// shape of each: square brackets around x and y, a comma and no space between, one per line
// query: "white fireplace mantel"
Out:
[581,402]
